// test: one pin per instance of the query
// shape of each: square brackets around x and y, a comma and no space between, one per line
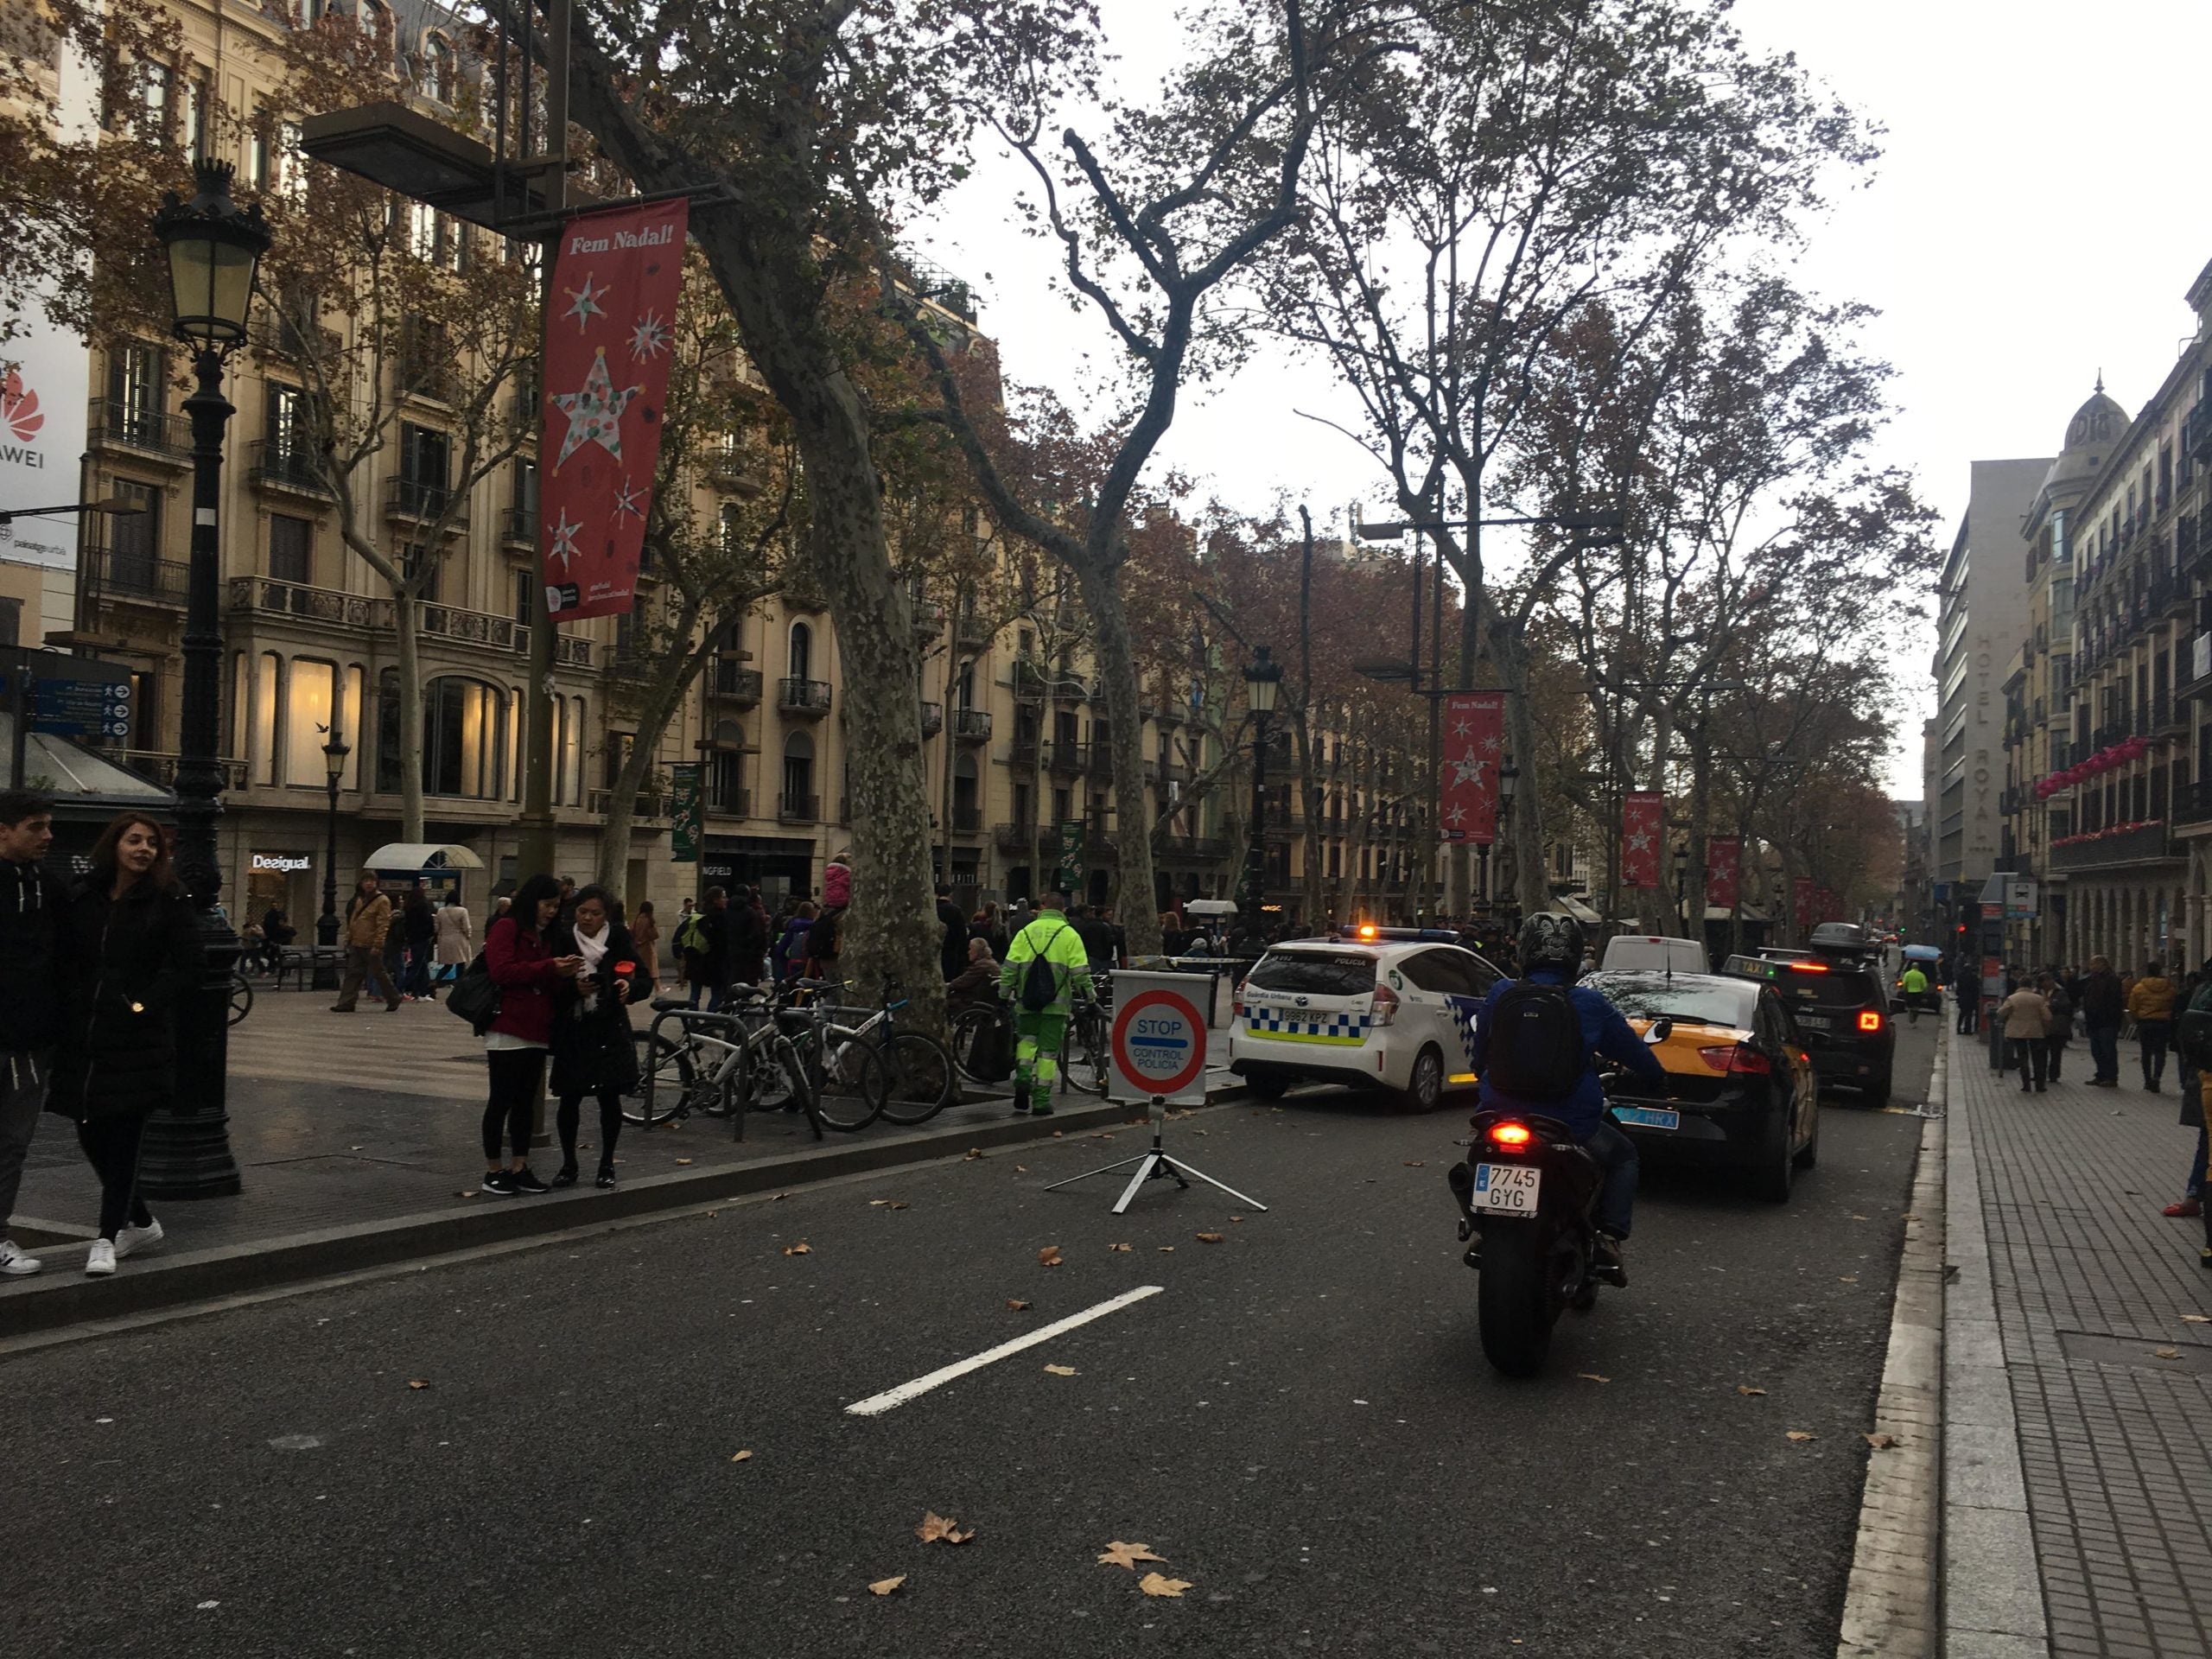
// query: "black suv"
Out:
[1840,1001]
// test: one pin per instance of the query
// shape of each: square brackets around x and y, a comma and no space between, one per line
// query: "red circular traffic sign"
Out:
[1146,1056]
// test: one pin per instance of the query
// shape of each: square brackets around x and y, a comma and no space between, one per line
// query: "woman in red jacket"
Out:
[527,975]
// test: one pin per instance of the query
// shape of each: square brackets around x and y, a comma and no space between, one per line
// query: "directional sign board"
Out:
[1157,1043]
[68,696]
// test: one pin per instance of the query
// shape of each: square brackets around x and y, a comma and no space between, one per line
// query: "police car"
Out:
[1367,1008]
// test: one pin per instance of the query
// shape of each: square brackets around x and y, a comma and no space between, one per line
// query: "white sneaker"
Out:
[14,1262]
[101,1261]
[131,1240]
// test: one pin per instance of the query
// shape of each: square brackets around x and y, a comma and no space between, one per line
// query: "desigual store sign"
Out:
[277,863]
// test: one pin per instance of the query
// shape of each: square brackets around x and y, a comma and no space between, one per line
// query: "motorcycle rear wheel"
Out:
[1515,1303]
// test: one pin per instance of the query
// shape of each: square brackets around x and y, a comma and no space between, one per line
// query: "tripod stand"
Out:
[1152,1165]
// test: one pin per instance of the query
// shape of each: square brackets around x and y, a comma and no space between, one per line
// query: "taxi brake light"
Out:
[1808,967]
[1737,1058]
[1869,1019]
[1513,1137]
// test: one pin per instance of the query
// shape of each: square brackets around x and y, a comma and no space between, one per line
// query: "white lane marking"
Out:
[876,1404]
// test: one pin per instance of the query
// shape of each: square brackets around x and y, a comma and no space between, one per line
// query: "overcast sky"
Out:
[2037,216]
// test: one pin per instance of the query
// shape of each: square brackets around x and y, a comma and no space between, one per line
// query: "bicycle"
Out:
[847,1072]
[1082,1046]
[923,1078]
[241,996]
[724,1065]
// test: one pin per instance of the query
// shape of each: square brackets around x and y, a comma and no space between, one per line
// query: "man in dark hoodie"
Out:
[30,1007]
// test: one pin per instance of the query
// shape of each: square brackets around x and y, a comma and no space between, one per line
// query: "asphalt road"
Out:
[1300,1423]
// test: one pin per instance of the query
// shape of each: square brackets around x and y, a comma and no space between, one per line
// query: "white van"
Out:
[1654,953]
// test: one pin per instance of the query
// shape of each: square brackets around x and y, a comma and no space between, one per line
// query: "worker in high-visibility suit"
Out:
[1040,1024]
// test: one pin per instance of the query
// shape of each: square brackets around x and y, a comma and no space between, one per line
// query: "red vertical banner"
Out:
[1724,858]
[610,330]
[1474,745]
[1802,898]
[1827,907]
[1642,812]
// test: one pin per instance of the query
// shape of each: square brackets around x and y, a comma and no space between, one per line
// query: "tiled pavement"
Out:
[2090,1282]
[339,1119]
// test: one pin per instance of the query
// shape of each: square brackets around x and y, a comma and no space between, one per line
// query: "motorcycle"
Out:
[1527,1194]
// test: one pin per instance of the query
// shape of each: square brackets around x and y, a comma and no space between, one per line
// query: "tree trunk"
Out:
[1117,673]
[1533,887]
[406,620]
[673,674]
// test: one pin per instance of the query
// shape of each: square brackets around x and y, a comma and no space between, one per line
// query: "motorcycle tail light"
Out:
[1869,1019]
[1386,1006]
[1512,1137]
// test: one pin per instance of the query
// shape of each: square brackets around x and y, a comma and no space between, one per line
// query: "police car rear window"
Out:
[1311,973]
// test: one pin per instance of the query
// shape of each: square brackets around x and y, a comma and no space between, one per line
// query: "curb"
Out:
[1992,1589]
[1891,1606]
[69,1298]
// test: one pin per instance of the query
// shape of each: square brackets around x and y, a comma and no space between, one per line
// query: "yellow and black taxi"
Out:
[1840,999]
[1740,1087]
[1375,1007]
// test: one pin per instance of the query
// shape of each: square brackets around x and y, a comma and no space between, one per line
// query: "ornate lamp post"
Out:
[1509,780]
[1260,681]
[326,928]
[213,249]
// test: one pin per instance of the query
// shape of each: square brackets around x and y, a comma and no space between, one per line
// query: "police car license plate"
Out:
[1510,1187]
[1647,1117]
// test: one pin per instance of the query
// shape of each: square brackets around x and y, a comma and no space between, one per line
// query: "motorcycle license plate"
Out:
[1510,1187]
[1647,1117]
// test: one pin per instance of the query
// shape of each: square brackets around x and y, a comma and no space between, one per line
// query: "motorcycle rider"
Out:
[1550,948]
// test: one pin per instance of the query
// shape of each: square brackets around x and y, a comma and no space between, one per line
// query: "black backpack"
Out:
[1536,1050]
[1040,981]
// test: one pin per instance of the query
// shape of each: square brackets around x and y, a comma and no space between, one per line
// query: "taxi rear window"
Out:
[1839,988]
[1703,1004]
[1311,973]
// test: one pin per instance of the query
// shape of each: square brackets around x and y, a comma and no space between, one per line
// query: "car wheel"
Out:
[1774,1171]
[1810,1154]
[1266,1087]
[1424,1086]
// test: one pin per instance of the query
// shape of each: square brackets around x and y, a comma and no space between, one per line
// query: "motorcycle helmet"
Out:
[1550,940]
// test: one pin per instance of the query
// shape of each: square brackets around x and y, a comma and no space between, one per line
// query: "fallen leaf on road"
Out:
[1848,1279]
[1210,1238]
[941,1528]
[1124,1247]
[1022,1169]
[1881,1442]
[1745,1388]
[1592,1376]
[466,1192]
[2167,1353]
[800,1249]
[1120,1555]
[896,1203]
[1017,1304]
[1049,1256]
[418,1382]
[1058,1134]
[740,1456]
[779,1197]
[1800,1434]
[975,1152]
[684,1160]
[1061,1370]
[884,1586]
[1858,1217]
[2196,1318]
[1168,1250]
[1153,1585]
[1236,1218]
[1414,1163]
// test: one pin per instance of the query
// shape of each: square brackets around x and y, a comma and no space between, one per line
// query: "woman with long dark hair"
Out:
[528,975]
[593,1050]
[130,954]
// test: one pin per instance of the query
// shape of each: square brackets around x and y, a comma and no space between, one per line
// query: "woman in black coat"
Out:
[129,957]
[594,1052]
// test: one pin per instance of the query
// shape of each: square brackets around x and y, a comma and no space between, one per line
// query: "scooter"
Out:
[1527,1196]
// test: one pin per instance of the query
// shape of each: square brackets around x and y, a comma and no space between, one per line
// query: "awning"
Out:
[1746,913]
[413,857]
[74,774]
[1574,907]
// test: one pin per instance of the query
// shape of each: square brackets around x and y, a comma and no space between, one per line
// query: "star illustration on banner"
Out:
[1457,815]
[1492,744]
[1639,843]
[649,337]
[1468,769]
[1461,727]
[584,304]
[595,413]
[564,540]
[630,499]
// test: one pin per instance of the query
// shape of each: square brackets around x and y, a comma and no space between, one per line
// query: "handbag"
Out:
[475,996]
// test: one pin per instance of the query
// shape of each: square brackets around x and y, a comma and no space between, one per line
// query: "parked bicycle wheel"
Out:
[850,1083]
[1084,1063]
[977,1053]
[668,1065]
[241,996]
[922,1078]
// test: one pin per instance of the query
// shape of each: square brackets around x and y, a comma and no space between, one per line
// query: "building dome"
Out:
[2097,426]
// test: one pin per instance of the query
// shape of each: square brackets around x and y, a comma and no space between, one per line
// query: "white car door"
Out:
[1423,1015]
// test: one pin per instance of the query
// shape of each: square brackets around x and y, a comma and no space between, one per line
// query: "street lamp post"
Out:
[1682,888]
[1260,681]
[213,249]
[326,928]
[1509,780]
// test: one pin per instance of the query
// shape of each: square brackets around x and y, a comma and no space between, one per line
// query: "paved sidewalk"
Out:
[341,1120]
[2091,1293]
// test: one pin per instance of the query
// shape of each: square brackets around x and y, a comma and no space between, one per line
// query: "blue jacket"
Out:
[1604,1031]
